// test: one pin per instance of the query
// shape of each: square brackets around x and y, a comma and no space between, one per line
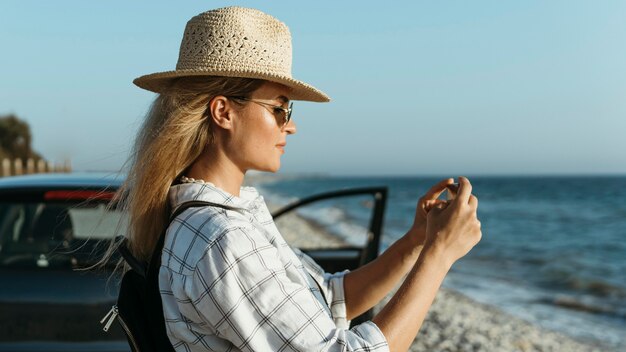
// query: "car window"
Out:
[95,222]
[34,233]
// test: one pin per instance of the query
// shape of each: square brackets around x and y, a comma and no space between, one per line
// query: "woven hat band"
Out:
[226,41]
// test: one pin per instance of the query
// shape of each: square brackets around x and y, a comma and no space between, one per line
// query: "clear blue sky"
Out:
[418,87]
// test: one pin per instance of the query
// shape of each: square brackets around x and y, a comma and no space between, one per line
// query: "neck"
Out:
[215,167]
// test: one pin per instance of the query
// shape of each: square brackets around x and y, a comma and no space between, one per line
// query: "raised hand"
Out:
[424,204]
[452,227]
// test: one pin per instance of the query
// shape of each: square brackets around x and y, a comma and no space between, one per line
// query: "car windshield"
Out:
[51,234]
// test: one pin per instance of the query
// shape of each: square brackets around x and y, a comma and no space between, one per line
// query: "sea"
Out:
[553,250]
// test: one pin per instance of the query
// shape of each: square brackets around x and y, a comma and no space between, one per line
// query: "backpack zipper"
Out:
[110,317]
[130,336]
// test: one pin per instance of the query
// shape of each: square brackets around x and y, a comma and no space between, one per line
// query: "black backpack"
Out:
[139,309]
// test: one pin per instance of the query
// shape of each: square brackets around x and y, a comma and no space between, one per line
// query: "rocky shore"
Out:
[458,323]
[454,322]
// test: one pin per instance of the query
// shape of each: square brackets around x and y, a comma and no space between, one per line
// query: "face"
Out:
[257,140]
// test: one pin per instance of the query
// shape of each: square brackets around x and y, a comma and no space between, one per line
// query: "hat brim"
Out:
[158,82]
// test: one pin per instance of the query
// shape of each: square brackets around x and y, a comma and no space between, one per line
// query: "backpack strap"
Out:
[138,266]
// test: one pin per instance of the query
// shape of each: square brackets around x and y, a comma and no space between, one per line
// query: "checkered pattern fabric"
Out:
[230,282]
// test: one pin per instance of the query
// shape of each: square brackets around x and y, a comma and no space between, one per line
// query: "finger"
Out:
[429,204]
[473,201]
[465,190]
[434,211]
[435,191]
[441,205]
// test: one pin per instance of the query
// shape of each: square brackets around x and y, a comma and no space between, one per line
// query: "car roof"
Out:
[75,180]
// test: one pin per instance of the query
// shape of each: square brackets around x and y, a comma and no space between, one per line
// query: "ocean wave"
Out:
[596,287]
[574,276]
[585,304]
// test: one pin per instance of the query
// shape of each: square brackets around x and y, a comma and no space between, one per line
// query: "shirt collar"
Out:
[248,200]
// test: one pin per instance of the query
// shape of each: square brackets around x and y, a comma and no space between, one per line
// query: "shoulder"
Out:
[195,232]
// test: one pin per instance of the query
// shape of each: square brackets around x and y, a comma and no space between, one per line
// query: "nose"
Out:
[290,127]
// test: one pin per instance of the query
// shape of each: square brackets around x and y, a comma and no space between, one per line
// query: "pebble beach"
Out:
[454,322]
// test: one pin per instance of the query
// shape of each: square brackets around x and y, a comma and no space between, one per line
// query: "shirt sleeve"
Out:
[242,290]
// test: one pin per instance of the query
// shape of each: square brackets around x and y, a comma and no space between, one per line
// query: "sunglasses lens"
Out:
[288,114]
[283,116]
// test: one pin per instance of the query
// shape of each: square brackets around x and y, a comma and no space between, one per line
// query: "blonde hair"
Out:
[176,131]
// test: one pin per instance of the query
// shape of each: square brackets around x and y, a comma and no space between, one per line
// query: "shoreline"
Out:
[304,233]
[454,322]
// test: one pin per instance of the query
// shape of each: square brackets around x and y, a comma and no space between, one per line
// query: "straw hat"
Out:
[235,42]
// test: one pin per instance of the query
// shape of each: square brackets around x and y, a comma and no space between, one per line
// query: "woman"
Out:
[228,280]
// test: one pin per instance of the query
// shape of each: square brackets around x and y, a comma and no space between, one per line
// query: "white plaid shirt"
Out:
[230,282]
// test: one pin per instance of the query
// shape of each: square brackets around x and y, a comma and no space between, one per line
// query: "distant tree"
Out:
[15,139]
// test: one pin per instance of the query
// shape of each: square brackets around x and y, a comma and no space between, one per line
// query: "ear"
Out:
[222,111]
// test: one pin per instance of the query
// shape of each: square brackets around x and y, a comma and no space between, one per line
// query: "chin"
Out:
[275,169]
[269,168]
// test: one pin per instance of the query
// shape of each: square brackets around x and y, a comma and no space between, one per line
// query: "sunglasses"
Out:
[282,115]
